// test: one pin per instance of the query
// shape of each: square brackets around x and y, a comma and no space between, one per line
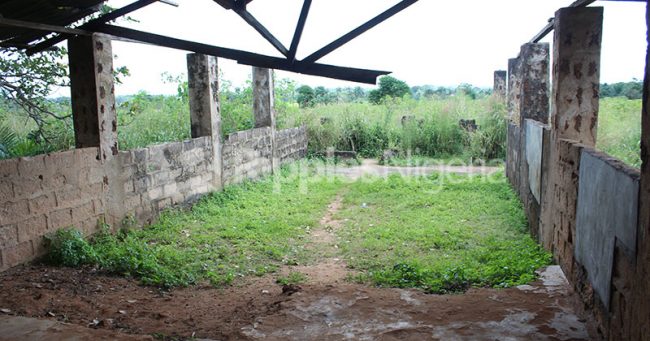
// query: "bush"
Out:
[67,247]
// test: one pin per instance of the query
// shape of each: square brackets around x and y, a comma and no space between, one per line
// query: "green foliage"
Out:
[441,233]
[247,229]
[489,141]
[432,129]
[8,141]
[306,96]
[292,278]
[67,247]
[388,87]
[629,90]
[619,129]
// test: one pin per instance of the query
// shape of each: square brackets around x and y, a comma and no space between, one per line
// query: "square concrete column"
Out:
[500,85]
[512,101]
[93,93]
[263,101]
[534,105]
[576,73]
[574,117]
[534,101]
[514,89]
[205,111]
[263,106]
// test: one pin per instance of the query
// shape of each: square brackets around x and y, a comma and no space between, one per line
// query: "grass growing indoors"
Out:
[247,229]
[440,233]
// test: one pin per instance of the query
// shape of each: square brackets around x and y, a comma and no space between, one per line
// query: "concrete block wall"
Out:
[247,155]
[42,194]
[593,231]
[163,175]
[291,144]
[589,209]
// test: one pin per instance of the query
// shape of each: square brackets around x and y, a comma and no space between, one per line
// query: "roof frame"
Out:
[118,13]
[244,57]
[288,63]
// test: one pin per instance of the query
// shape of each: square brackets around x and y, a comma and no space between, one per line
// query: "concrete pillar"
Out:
[534,105]
[574,117]
[514,89]
[93,93]
[512,143]
[500,85]
[205,111]
[576,73]
[640,311]
[263,106]
[534,102]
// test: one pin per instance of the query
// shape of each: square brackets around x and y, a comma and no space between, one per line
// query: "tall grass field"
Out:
[427,127]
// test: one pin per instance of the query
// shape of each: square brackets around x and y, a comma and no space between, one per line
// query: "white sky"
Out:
[442,43]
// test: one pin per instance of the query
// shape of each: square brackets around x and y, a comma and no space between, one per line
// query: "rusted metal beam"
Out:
[358,31]
[250,19]
[244,57]
[120,12]
[299,29]
[41,27]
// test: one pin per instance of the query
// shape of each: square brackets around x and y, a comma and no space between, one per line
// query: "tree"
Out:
[389,87]
[323,96]
[27,81]
[306,96]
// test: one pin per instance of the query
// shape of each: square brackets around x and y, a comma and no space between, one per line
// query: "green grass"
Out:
[431,129]
[246,230]
[292,278]
[440,235]
[619,129]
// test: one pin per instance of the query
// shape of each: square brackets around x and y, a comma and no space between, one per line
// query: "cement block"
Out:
[59,219]
[42,204]
[12,212]
[18,254]
[32,228]
[8,236]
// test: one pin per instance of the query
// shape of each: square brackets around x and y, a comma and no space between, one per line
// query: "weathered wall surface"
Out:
[44,193]
[512,154]
[606,214]
[39,195]
[247,155]
[291,144]
[592,209]
[163,175]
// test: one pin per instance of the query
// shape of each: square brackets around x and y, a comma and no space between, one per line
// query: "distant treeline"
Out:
[630,90]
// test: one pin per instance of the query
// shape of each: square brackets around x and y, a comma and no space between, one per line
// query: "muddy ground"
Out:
[260,309]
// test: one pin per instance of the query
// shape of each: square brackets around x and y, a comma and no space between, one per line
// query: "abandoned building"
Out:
[589,209]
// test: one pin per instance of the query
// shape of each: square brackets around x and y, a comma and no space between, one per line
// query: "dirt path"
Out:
[330,269]
[372,167]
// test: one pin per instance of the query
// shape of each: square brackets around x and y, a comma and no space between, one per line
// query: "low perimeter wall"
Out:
[585,210]
[41,194]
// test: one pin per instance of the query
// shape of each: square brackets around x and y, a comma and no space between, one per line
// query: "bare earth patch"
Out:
[330,269]
[319,311]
